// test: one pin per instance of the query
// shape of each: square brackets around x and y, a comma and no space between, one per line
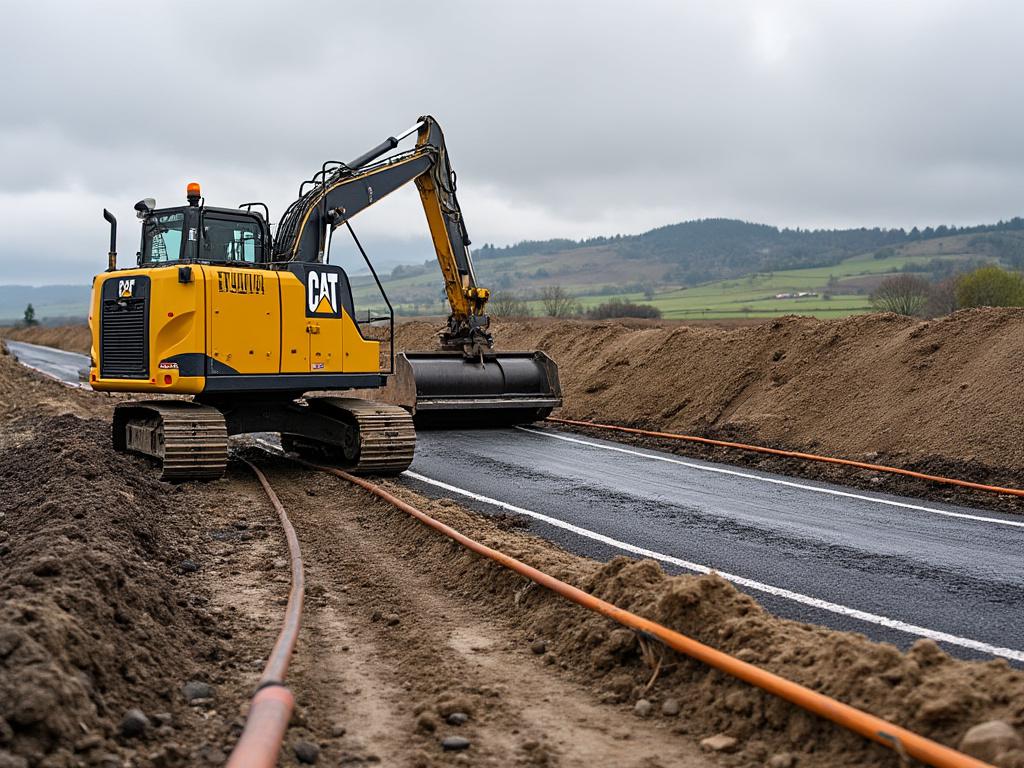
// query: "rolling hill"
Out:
[705,268]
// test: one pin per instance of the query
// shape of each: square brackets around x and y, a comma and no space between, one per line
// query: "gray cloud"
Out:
[562,119]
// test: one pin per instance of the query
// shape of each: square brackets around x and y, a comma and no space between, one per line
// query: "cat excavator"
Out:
[259,331]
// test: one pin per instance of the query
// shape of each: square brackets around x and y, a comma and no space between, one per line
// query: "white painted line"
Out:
[814,602]
[777,481]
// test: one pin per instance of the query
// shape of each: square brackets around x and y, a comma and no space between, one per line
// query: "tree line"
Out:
[915,295]
[704,250]
[555,301]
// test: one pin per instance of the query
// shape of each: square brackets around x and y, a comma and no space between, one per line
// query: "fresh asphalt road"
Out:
[890,567]
[53,362]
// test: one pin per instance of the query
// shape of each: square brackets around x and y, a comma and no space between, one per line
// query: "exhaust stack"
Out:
[112,254]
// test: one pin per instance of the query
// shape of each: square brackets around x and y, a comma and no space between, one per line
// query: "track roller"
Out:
[189,440]
[381,439]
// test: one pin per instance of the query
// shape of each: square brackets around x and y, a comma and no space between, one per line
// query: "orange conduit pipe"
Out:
[899,739]
[792,455]
[271,707]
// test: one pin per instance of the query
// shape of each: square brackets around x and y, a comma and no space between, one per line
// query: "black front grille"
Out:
[124,351]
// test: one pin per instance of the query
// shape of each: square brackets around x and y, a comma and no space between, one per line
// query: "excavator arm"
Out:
[341,190]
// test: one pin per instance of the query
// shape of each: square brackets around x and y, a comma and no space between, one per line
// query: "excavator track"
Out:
[382,443]
[189,440]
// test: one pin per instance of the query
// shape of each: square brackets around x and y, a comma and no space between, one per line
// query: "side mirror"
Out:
[145,207]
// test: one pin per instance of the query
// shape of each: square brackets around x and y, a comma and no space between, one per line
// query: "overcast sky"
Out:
[562,119]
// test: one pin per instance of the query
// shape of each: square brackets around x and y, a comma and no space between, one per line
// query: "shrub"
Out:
[941,298]
[990,287]
[507,304]
[903,294]
[558,303]
[619,308]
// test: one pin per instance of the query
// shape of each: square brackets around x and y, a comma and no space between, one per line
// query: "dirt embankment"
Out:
[940,395]
[73,338]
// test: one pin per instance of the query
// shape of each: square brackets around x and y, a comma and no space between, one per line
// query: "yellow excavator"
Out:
[247,321]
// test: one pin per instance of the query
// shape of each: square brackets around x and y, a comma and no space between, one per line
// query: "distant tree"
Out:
[558,303]
[990,287]
[941,298]
[903,294]
[30,316]
[885,253]
[620,308]
[507,305]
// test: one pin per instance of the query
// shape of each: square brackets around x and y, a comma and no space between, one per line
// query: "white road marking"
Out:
[777,481]
[815,602]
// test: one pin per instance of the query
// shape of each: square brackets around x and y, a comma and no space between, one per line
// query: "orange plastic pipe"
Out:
[261,739]
[271,707]
[277,664]
[888,734]
[792,455]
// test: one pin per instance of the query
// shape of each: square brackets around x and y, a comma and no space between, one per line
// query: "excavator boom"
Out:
[466,382]
[342,190]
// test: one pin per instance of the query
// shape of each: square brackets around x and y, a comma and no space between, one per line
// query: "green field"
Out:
[843,289]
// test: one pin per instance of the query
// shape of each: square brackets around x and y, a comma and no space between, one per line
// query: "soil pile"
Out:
[100,611]
[882,387]
[92,609]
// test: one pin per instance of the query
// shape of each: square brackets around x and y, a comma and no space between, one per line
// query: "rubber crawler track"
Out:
[791,455]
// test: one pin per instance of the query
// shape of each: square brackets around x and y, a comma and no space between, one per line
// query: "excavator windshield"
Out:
[161,237]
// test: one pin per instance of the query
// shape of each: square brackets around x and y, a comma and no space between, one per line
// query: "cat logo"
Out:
[322,294]
[126,288]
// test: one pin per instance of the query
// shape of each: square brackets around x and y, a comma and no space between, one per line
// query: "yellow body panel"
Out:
[294,333]
[244,330]
[251,320]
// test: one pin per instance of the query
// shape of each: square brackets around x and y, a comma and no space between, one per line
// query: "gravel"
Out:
[454,743]
[306,751]
[194,690]
[642,708]
[133,724]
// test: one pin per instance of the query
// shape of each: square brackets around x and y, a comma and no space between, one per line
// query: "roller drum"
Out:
[448,389]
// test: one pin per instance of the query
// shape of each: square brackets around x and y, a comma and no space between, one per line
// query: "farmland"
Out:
[594,275]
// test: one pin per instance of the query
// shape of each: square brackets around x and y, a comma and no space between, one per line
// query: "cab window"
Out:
[161,237]
[231,240]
